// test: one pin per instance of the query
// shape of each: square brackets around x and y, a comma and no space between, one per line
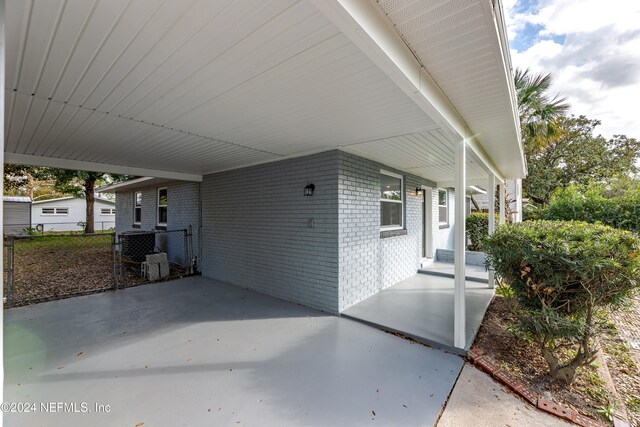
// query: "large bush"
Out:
[564,276]
[477,224]
[597,204]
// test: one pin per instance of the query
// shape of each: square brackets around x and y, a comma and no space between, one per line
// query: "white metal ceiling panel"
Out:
[190,86]
[457,43]
[199,86]
[428,154]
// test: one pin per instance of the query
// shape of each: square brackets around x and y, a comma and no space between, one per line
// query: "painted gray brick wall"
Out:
[471,258]
[260,231]
[124,210]
[369,263]
[183,209]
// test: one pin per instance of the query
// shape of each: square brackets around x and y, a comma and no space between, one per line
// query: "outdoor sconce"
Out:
[419,191]
[308,190]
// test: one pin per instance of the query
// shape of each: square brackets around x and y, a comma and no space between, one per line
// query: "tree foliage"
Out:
[616,204]
[477,225]
[537,109]
[575,156]
[33,181]
[564,275]
[82,184]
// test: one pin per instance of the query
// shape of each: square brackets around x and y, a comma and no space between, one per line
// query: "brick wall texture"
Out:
[260,232]
[183,210]
[369,263]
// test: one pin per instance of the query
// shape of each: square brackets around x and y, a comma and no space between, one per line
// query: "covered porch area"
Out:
[421,307]
[186,90]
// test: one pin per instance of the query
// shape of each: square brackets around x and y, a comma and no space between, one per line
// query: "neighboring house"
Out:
[513,196]
[16,214]
[68,213]
[373,106]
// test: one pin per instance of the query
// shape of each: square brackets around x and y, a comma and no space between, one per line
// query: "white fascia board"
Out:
[482,182]
[111,188]
[364,23]
[499,31]
[38,202]
[52,162]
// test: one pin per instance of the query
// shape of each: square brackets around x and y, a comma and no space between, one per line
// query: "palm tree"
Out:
[538,111]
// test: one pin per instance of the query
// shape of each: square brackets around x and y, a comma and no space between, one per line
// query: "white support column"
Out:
[519,200]
[2,55]
[459,308]
[502,203]
[491,196]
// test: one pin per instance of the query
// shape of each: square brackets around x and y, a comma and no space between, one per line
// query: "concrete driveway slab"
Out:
[199,352]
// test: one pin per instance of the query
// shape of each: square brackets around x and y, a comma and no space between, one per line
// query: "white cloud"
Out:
[592,49]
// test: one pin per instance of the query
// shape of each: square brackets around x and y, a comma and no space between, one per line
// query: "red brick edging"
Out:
[488,365]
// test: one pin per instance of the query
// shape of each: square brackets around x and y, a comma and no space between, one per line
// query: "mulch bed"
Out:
[523,360]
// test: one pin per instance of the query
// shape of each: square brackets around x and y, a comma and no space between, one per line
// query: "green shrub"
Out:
[596,204]
[477,224]
[564,275]
[533,213]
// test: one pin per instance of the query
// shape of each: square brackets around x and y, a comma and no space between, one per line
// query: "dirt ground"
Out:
[52,267]
[61,266]
[587,395]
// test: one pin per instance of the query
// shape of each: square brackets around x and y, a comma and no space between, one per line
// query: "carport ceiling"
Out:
[195,86]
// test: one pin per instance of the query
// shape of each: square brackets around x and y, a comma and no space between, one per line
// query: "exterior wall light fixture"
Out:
[308,190]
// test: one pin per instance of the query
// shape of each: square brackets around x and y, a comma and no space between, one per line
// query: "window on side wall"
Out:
[443,208]
[55,211]
[137,207]
[162,206]
[391,201]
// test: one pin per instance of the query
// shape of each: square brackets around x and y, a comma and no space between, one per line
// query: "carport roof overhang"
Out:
[181,89]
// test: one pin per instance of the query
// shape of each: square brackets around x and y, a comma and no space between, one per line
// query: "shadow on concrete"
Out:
[201,352]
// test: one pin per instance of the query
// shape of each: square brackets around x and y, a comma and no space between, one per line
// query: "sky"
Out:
[592,50]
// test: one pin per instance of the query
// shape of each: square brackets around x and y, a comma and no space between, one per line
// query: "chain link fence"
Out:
[45,267]
[148,256]
[46,228]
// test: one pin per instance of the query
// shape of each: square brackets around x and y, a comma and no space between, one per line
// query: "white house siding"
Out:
[260,231]
[183,210]
[77,213]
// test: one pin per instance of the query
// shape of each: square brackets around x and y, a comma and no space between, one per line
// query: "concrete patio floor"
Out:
[198,352]
[421,307]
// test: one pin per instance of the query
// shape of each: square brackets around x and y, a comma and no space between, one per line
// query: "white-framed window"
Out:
[162,206]
[137,207]
[55,211]
[107,211]
[443,207]
[391,200]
